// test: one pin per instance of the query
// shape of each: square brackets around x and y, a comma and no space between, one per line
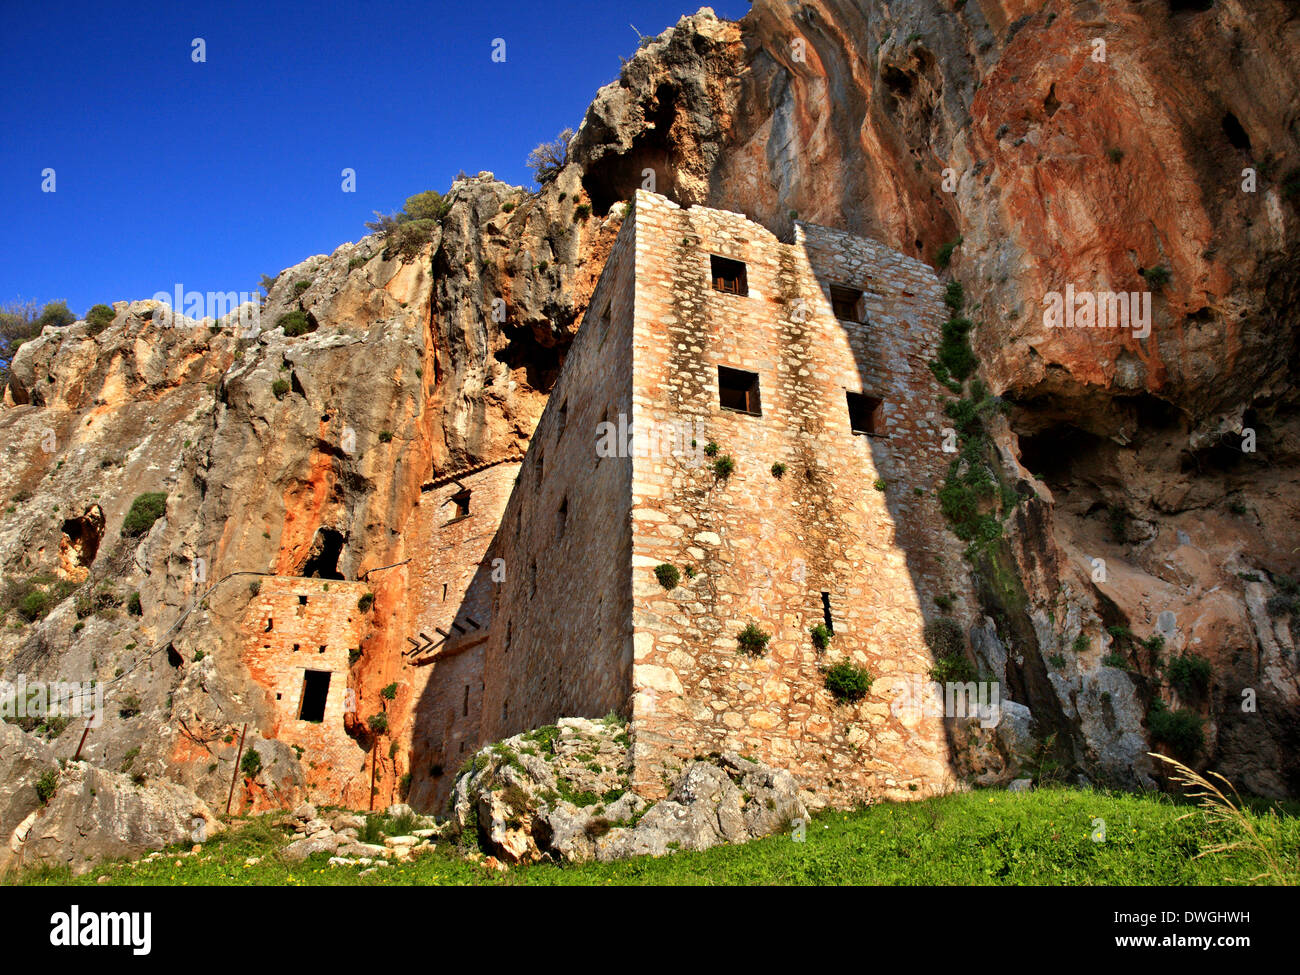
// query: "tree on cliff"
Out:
[550,158]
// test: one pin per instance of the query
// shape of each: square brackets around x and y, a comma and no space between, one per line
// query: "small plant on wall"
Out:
[753,640]
[668,575]
[847,681]
[821,636]
[724,466]
[779,469]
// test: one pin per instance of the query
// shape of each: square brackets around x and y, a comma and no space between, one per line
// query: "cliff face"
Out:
[920,123]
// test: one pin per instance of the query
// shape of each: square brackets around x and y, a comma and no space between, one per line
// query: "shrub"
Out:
[357,262]
[1115,659]
[724,466]
[251,763]
[55,313]
[711,449]
[47,785]
[954,296]
[821,636]
[668,575]
[34,605]
[847,681]
[389,693]
[365,602]
[300,286]
[99,318]
[1189,674]
[944,257]
[385,436]
[953,668]
[130,706]
[354,654]
[1156,277]
[133,605]
[406,240]
[779,469]
[880,484]
[1115,154]
[944,638]
[378,723]
[548,160]
[145,510]
[294,323]
[1080,644]
[1181,730]
[582,211]
[753,640]
[945,603]
[280,388]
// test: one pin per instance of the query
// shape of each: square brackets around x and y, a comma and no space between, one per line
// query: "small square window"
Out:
[738,390]
[728,275]
[845,303]
[461,501]
[865,413]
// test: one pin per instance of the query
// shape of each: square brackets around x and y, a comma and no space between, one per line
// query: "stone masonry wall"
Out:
[294,625]
[561,628]
[764,548]
[440,692]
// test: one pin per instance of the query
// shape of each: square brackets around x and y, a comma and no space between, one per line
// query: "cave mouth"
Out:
[541,363]
[617,177]
[81,538]
[322,560]
[1049,454]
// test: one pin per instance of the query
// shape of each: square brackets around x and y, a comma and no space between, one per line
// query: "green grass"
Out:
[982,837]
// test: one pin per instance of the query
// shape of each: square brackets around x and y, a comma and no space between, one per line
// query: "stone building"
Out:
[758,415]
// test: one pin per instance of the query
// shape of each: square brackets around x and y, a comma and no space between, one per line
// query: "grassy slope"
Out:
[973,838]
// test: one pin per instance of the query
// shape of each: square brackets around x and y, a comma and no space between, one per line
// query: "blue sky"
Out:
[211,175]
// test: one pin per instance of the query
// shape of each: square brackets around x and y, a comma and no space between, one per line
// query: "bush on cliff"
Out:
[145,510]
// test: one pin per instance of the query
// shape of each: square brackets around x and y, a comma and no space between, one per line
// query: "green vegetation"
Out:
[365,602]
[847,681]
[389,693]
[1189,674]
[711,449]
[952,668]
[57,314]
[944,256]
[250,764]
[821,636]
[1286,601]
[33,597]
[145,510]
[99,318]
[300,286]
[385,436]
[944,602]
[405,232]
[1156,277]
[1181,730]
[779,469]
[280,388]
[753,640]
[1115,155]
[1080,644]
[668,575]
[47,785]
[582,211]
[294,323]
[982,837]
[133,605]
[378,723]
[129,707]
[954,296]
[724,466]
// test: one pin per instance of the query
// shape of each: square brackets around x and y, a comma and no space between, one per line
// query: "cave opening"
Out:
[1049,454]
[541,363]
[614,178]
[81,538]
[323,558]
[1236,132]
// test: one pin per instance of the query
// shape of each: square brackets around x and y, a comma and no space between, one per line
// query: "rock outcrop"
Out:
[562,792]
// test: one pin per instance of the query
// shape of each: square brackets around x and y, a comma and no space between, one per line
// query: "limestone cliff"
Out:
[921,123]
